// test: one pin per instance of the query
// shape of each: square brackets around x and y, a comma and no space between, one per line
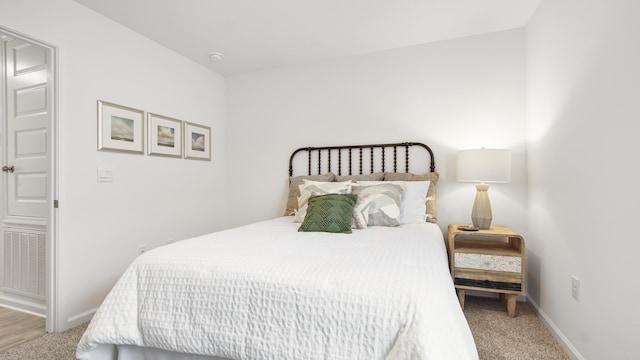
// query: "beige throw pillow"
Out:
[363,177]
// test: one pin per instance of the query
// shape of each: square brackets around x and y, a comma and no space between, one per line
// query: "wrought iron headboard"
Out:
[330,150]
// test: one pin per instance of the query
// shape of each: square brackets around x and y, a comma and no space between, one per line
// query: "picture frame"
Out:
[197,141]
[164,136]
[120,128]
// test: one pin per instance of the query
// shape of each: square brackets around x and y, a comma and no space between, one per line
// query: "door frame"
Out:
[51,302]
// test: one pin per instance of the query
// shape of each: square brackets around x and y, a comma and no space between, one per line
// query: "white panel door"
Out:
[25,159]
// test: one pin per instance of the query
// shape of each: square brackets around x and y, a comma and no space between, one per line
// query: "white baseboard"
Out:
[81,318]
[564,342]
[23,306]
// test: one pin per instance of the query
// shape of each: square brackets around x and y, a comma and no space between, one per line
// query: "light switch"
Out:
[105,174]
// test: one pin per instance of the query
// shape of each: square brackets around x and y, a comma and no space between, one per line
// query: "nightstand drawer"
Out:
[497,285]
[488,262]
[488,275]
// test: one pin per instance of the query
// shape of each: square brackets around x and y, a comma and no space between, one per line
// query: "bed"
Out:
[375,289]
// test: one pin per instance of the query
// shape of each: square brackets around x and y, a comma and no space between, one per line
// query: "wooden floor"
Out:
[17,328]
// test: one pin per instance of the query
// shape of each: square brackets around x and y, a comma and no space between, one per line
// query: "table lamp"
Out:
[483,166]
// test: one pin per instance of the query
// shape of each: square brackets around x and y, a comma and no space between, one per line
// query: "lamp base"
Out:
[481,213]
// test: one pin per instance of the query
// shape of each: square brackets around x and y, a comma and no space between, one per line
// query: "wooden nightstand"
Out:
[487,260]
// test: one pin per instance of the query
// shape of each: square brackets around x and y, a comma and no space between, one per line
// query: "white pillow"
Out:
[413,208]
[310,188]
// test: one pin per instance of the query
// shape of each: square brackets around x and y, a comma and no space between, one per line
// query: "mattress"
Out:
[267,291]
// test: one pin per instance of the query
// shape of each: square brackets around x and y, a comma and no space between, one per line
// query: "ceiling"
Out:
[261,34]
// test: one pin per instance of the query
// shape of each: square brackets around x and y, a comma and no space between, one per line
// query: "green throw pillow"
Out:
[330,213]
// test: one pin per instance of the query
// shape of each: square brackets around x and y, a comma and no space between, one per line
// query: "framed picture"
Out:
[197,141]
[165,136]
[120,128]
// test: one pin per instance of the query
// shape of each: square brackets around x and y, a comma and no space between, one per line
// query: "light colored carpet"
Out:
[497,336]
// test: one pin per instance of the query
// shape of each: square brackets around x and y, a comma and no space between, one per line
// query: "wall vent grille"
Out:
[24,262]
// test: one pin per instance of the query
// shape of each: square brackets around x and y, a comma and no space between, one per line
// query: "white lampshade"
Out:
[484,165]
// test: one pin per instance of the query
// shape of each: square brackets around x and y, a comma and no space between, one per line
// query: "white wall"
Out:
[451,95]
[583,110]
[152,199]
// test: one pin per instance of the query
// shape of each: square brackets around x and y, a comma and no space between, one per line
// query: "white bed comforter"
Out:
[266,291]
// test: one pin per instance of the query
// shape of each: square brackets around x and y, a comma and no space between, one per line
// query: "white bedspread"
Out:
[266,291]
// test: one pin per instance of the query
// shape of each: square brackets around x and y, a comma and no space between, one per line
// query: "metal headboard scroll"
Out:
[331,150]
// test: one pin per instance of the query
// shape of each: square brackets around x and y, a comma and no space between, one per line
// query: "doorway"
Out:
[28,182]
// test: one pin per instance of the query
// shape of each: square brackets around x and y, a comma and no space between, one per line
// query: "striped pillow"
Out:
[294,190]
[378,205]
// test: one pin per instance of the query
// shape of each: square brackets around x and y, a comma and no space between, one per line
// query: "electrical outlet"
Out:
[575,287]
[142,249]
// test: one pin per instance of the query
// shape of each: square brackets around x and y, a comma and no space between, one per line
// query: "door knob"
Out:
[9,168]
